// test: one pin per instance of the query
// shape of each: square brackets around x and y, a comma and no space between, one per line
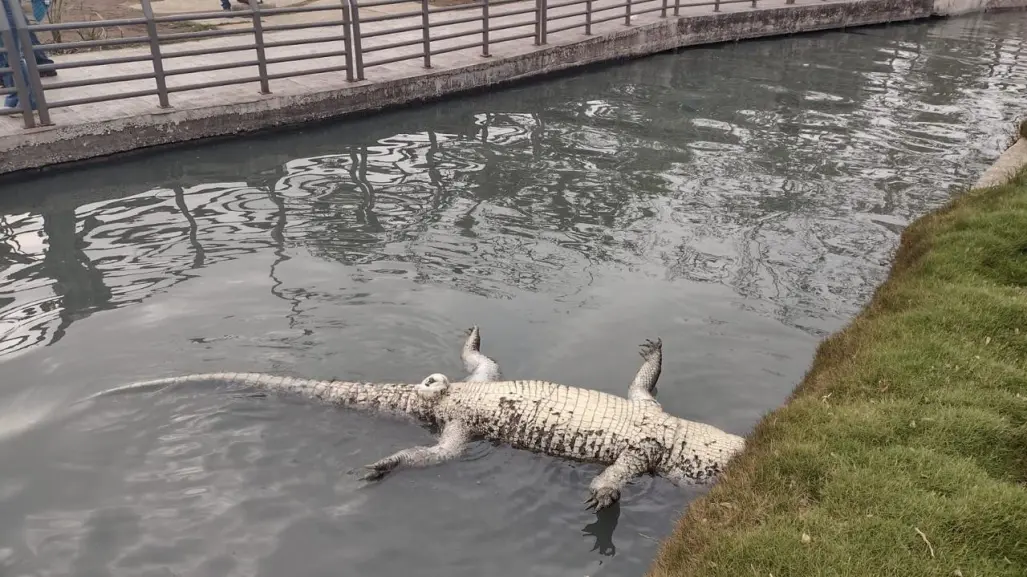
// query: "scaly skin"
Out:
[633,436]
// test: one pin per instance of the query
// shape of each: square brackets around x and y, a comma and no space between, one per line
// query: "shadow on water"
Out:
[741,201]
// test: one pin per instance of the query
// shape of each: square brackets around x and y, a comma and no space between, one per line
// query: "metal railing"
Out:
[352,42]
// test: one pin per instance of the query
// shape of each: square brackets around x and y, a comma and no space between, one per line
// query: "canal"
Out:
[740,201]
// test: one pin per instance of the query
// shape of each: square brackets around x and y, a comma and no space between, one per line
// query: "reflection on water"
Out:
[741,201]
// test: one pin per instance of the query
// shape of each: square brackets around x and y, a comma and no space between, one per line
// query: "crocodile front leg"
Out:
[642,387]
[479,366]
[451,443]
[605,488]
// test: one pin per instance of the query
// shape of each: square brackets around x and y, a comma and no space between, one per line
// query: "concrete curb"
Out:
[1007,165]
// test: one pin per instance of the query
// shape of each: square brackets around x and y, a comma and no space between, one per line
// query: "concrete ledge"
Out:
[43,147]
[1007,165]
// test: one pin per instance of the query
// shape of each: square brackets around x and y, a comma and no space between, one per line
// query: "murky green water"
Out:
[739,201]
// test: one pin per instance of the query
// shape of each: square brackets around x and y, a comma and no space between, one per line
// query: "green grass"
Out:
[904,450]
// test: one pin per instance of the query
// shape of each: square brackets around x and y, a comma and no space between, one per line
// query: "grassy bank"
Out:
[904,450]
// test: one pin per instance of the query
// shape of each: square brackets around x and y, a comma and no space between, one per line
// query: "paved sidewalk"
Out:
[85,113]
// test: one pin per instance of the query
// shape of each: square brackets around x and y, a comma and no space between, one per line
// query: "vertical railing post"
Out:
[677,7]
[425,33]
[155,56]
[716,5]
[663,9]
[538,22]
[753,3]
[346,40]
[485,28]
[358,52]
[28,56]
[627,13]
[545,20]
[258,40]
[588,17]
[14,63]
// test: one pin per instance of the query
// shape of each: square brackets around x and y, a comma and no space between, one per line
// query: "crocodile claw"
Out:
[650,347]
[379,469]
[373,473]
[601,498]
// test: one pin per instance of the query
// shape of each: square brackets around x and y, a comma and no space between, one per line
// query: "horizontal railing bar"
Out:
[513,37]
[210,67]
[341,68]
[511,25]
[302,25]
[459,47]
[567,3]
[314,56]
[606,19]
[203,34]
[97,43]
[613,7]
[374,3]
[389,17]
[95,81]
[654,9]
[315,40]
[87,63]
[569,26]
[377,33]
[456,8]
[596,21]
[213,84]
[206,51]
[504,3]
[220,14]
[399,44]
[464,20]
[453,35]
[495,15]
[298,9]
[94,99]
[573,14]
[384,61]
[85,25]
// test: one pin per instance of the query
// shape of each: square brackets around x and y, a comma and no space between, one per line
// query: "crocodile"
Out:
[631,436]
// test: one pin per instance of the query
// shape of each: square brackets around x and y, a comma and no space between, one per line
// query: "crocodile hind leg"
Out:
[479,366]
[642,387]
[451,443]
[606,487]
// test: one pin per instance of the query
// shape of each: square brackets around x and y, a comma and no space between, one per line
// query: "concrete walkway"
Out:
[85,131]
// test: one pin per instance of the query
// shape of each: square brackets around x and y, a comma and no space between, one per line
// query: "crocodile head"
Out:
[433,388]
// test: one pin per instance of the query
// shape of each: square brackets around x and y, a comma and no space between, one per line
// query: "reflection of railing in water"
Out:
[347,208]
[350,43]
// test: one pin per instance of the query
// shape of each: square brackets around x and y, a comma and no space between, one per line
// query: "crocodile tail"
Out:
[389,398]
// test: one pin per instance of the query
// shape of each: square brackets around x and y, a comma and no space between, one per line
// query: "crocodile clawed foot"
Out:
[379,469]
[650,347]
[601,498]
